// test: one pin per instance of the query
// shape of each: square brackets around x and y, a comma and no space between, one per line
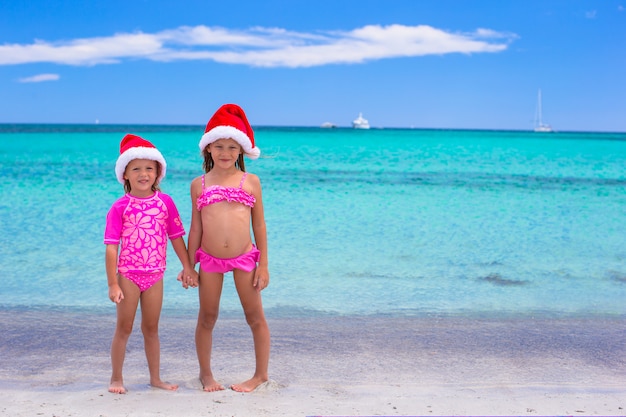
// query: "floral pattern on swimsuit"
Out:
[142,227]
[217,193]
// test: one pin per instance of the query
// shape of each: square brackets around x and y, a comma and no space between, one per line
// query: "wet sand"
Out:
[57,363]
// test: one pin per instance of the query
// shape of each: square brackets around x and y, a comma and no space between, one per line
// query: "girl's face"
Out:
[225,152]
[141,174]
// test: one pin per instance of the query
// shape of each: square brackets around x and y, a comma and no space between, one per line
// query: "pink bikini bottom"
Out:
[144,280]
[246,262]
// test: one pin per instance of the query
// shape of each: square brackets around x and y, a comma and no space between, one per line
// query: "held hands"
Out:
[261,278]
[188,278]
[115,293]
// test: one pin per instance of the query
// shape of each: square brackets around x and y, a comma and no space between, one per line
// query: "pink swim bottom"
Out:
[246,262]
[144,280]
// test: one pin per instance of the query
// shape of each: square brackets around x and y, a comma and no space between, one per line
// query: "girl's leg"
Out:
[126,310]
[151,303]
[253,309]
[209,292]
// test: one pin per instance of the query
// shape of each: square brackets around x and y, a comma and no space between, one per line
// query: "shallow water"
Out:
[360,223]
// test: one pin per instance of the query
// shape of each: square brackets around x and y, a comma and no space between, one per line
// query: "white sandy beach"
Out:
[324,367]
[330,398]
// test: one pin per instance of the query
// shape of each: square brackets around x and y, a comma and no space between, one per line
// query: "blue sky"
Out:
[403,63]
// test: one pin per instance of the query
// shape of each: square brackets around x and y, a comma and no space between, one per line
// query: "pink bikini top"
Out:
[217,193]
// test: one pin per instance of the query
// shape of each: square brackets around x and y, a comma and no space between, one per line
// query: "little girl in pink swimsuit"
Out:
[138,226]
[226,200]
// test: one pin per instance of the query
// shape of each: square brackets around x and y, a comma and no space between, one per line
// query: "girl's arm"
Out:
[115,292]
[195,230]
[188,276]
[262,274]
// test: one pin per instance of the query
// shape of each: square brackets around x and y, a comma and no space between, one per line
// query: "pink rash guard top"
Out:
[217,193]
[142,226]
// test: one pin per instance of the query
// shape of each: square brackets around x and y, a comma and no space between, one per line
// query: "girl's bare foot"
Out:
[209,384]
[249,385]
[164,385]
[117,387]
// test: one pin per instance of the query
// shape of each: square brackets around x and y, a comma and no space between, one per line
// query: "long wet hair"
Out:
[208,160]
[155,186]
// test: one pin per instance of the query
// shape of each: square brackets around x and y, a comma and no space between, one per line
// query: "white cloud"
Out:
[40,78]
[592,14]
[259,47]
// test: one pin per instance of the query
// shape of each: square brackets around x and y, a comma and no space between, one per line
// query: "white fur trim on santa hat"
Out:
[139,152]
[229,132]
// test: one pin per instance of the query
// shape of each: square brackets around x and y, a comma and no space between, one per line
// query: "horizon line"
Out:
[97,126]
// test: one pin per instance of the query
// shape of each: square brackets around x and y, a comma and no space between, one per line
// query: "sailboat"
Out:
[539,125]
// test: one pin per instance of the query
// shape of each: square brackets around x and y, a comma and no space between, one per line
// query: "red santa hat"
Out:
[230,122]
[134,147]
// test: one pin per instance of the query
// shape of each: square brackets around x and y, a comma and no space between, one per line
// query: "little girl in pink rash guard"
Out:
[138,227]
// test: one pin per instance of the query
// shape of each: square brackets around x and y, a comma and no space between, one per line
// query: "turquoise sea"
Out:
[385,222]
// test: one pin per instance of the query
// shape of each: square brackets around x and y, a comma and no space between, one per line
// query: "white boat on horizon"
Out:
[540,126]
[360,122]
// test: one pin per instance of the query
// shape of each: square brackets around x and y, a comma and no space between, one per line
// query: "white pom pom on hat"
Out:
[230,122]
[135,147]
